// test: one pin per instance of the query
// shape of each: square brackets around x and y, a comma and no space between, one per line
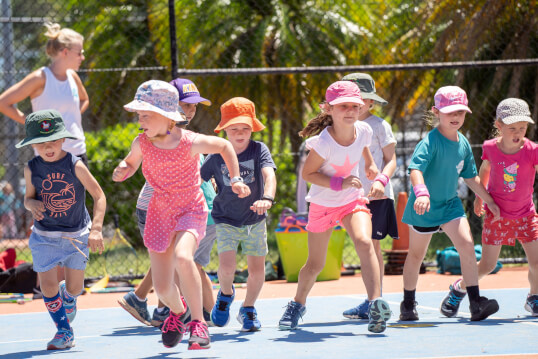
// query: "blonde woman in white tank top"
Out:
[55,87]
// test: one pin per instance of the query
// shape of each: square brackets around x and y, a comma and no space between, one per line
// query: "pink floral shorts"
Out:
[506,230]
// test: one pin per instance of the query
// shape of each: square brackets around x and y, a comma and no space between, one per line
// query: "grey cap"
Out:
[512,110]
[367,86]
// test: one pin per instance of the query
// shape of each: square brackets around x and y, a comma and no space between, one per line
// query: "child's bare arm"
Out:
[485,169]
[211,144]
[269,179]
[95,239]
[478,188]
[369,165]
[389,157]
[129,165]
[30,203]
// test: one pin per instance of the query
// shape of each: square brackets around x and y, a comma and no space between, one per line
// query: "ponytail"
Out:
[59,38]
[316,125]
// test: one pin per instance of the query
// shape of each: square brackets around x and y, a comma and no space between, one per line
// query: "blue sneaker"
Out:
[378,315]
[63,339]
[451,304]
[159,317]
[291,316]
[358,312]
[135,307]
[70,307]
[220,315]
[248,317]
[531,305]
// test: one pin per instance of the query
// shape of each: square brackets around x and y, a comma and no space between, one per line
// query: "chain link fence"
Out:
[280,54]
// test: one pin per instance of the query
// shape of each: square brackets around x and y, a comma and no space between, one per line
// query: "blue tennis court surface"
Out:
[324,333]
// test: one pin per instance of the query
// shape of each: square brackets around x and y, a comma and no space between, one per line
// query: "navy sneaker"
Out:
[358,312]
[248,317]
[378,315]
[70,306]
[408,314]
[173,329]
[207,318]
[220,315]
[531,305]
[291,316]
[451,303]
[159,317]
[136,308]
[483,308]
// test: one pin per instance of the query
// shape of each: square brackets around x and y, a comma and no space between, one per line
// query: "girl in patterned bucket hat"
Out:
[508,169]
[177,212]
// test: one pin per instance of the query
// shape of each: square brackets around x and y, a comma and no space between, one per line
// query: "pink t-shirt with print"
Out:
[511,180]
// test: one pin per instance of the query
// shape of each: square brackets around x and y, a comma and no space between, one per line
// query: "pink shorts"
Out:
[321,218]
[506,230]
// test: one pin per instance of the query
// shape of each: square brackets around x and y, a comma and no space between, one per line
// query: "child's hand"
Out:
[261,206]
[478,207]
[37,208]
[120,173]
[422,205]
[95,241]
[371,171]
[351,181]
[495,210]
[241,189]
[377,190]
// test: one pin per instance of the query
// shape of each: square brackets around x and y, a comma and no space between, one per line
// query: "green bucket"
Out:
[292,244]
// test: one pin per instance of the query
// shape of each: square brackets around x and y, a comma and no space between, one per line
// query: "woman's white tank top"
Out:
[62,96]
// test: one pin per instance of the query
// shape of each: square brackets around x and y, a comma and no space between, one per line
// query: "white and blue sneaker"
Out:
[378,314]
[64,339]
[291,316]
[358,312]
[70,306]
[248,317]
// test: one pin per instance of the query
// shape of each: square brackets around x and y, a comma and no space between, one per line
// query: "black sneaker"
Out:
[483,308]
[451,303]
[407,314]
[173,329]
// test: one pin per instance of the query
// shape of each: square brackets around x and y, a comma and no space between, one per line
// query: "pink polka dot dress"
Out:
[178,203]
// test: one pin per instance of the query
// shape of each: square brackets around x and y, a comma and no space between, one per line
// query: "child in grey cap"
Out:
[509,165]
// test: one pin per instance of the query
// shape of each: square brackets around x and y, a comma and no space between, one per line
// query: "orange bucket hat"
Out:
[238,110]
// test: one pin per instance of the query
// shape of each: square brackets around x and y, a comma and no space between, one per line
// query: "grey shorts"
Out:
[49,252]
[202,256]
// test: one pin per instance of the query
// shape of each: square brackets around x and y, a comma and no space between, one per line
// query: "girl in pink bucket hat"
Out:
[336,197]
[177,211]
[439,160]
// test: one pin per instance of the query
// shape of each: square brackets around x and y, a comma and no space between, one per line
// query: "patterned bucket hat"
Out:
[157,96]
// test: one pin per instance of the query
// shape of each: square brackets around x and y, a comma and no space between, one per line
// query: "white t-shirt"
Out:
[341,161]
[382,137]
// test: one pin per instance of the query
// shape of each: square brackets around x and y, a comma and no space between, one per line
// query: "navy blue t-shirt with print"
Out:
[228,207]
[62,194]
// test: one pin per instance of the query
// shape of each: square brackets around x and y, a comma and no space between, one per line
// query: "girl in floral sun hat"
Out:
[177,212]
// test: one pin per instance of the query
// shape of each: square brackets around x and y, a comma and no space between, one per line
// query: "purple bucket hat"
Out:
[157,96]
[188,92]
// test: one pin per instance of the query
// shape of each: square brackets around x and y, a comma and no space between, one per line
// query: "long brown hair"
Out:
[316,125]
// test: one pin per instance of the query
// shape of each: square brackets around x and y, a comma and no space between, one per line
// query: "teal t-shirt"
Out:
[209,194]
[441,162]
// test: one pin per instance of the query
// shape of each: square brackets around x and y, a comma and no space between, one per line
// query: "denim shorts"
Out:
[202,256]
[49,252]
[253,238]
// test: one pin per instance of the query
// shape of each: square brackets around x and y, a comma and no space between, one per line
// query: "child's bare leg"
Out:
[162,271]
[418,245]
[145,285]
[74,281]
[487,263]
[380,260]
[49,282]
[188,273]
[531,250]
[256,278]
[226,271]
[207,289]
[459,233]
[359,227]
[317,252]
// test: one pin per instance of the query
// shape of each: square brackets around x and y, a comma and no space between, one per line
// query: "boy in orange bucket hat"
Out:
[241,219]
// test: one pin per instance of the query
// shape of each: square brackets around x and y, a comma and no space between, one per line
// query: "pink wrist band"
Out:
[421,190]
[383,178]
[336,183]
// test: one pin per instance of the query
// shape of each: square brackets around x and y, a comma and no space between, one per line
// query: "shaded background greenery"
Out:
[128,42]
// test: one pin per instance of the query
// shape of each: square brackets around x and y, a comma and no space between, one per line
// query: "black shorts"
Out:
[383,218]
[427,230]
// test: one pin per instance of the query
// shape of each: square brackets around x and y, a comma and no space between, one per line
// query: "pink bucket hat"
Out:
[451,98]
[343,91]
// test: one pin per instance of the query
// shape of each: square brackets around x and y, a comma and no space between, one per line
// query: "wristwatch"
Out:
[268,198]
[236,179]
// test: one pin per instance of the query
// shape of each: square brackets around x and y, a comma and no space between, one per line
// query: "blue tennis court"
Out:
[324,333]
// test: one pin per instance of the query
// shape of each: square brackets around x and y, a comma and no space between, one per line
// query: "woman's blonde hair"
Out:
[59,38]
